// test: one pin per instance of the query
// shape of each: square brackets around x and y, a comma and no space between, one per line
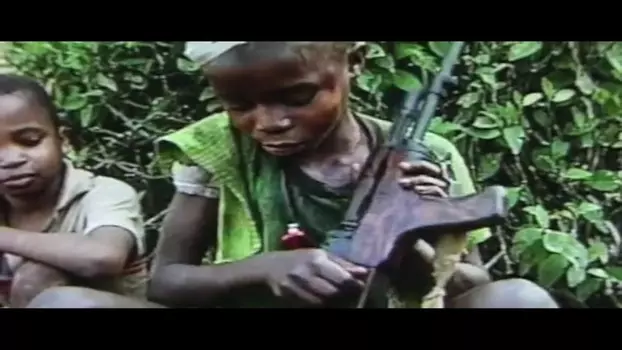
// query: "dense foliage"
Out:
[542,119]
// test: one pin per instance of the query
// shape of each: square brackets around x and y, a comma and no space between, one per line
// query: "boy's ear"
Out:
[356,59]
[63,134]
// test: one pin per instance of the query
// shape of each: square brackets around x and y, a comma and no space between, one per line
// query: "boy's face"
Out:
[287,105]
[30,147]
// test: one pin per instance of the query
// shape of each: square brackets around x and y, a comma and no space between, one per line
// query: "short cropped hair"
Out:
[11,84]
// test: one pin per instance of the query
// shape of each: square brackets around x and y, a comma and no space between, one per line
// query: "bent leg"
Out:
[85,298]
[506,294]
[31,279]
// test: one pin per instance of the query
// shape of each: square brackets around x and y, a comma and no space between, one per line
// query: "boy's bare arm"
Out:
[104,252]
[188,231]
[113,232]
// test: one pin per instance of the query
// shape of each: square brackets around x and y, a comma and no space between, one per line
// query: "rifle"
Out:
[382,217]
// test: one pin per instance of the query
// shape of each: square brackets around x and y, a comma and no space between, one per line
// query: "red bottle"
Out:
[295,238]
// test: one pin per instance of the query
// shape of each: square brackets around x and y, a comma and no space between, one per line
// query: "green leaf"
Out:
[588,287]
[95,93]
[585,83]
[530,257]
[406,49]
[369,81]
[523,49]
[542,216]
[532,98]
[187,66]
[596,272]
[513,195]
[587,207]
[488,165]
[484,134]
[106,82]
[527,236]
[547,87]
[517,97]
[488,75]
[576,174]
[514,137]
[614,272]
[485,122]
[523,240]
[74,102]
[559,149]
[575,275]
[551,269]
[375,51]
[555,242]
[206,94]
[406,81]
[614,56]
[469,99]
[443,127]
[604,180]
[566,245]
[440,48]
[563,95]
[386,62]
[598,251]
[544,162]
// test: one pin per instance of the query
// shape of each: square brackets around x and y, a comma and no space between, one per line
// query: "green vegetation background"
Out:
[542,119]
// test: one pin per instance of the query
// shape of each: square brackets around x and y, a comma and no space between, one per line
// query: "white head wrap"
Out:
[203,52]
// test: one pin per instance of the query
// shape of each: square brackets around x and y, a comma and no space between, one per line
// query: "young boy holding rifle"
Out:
[260,185]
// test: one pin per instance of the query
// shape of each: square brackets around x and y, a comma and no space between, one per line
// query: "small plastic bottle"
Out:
[295,238]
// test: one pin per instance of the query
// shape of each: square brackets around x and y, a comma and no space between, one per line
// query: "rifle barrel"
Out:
[431,101]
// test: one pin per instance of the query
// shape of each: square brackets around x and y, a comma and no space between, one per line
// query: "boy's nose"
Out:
[272,120]
[11,162]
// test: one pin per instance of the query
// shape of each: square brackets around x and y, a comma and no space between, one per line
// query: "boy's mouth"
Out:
[283,148]
[17,181]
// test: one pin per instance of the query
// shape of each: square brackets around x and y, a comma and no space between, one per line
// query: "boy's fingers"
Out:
[430,191]
[421,167]
[350,267]
[422,180]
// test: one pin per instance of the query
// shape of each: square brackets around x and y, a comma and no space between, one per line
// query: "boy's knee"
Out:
[30,280]
[521,293]
[506,294]
[25,287]
[85,298]
[63,298]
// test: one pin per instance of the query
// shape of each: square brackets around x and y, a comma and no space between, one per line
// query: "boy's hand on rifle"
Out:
[424,177]
[310,275]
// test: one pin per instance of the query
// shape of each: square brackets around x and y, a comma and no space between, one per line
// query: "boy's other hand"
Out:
[423,177]
[311,275]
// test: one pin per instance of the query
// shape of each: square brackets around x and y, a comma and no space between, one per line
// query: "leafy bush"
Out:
[542,119]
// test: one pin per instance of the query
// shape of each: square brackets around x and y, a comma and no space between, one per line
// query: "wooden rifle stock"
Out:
[383,217]
[394,216]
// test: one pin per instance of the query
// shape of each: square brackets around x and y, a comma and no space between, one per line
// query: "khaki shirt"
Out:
[88,202]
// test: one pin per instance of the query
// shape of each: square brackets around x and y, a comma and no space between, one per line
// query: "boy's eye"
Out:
[238,106]
[300,95]
[29,138]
